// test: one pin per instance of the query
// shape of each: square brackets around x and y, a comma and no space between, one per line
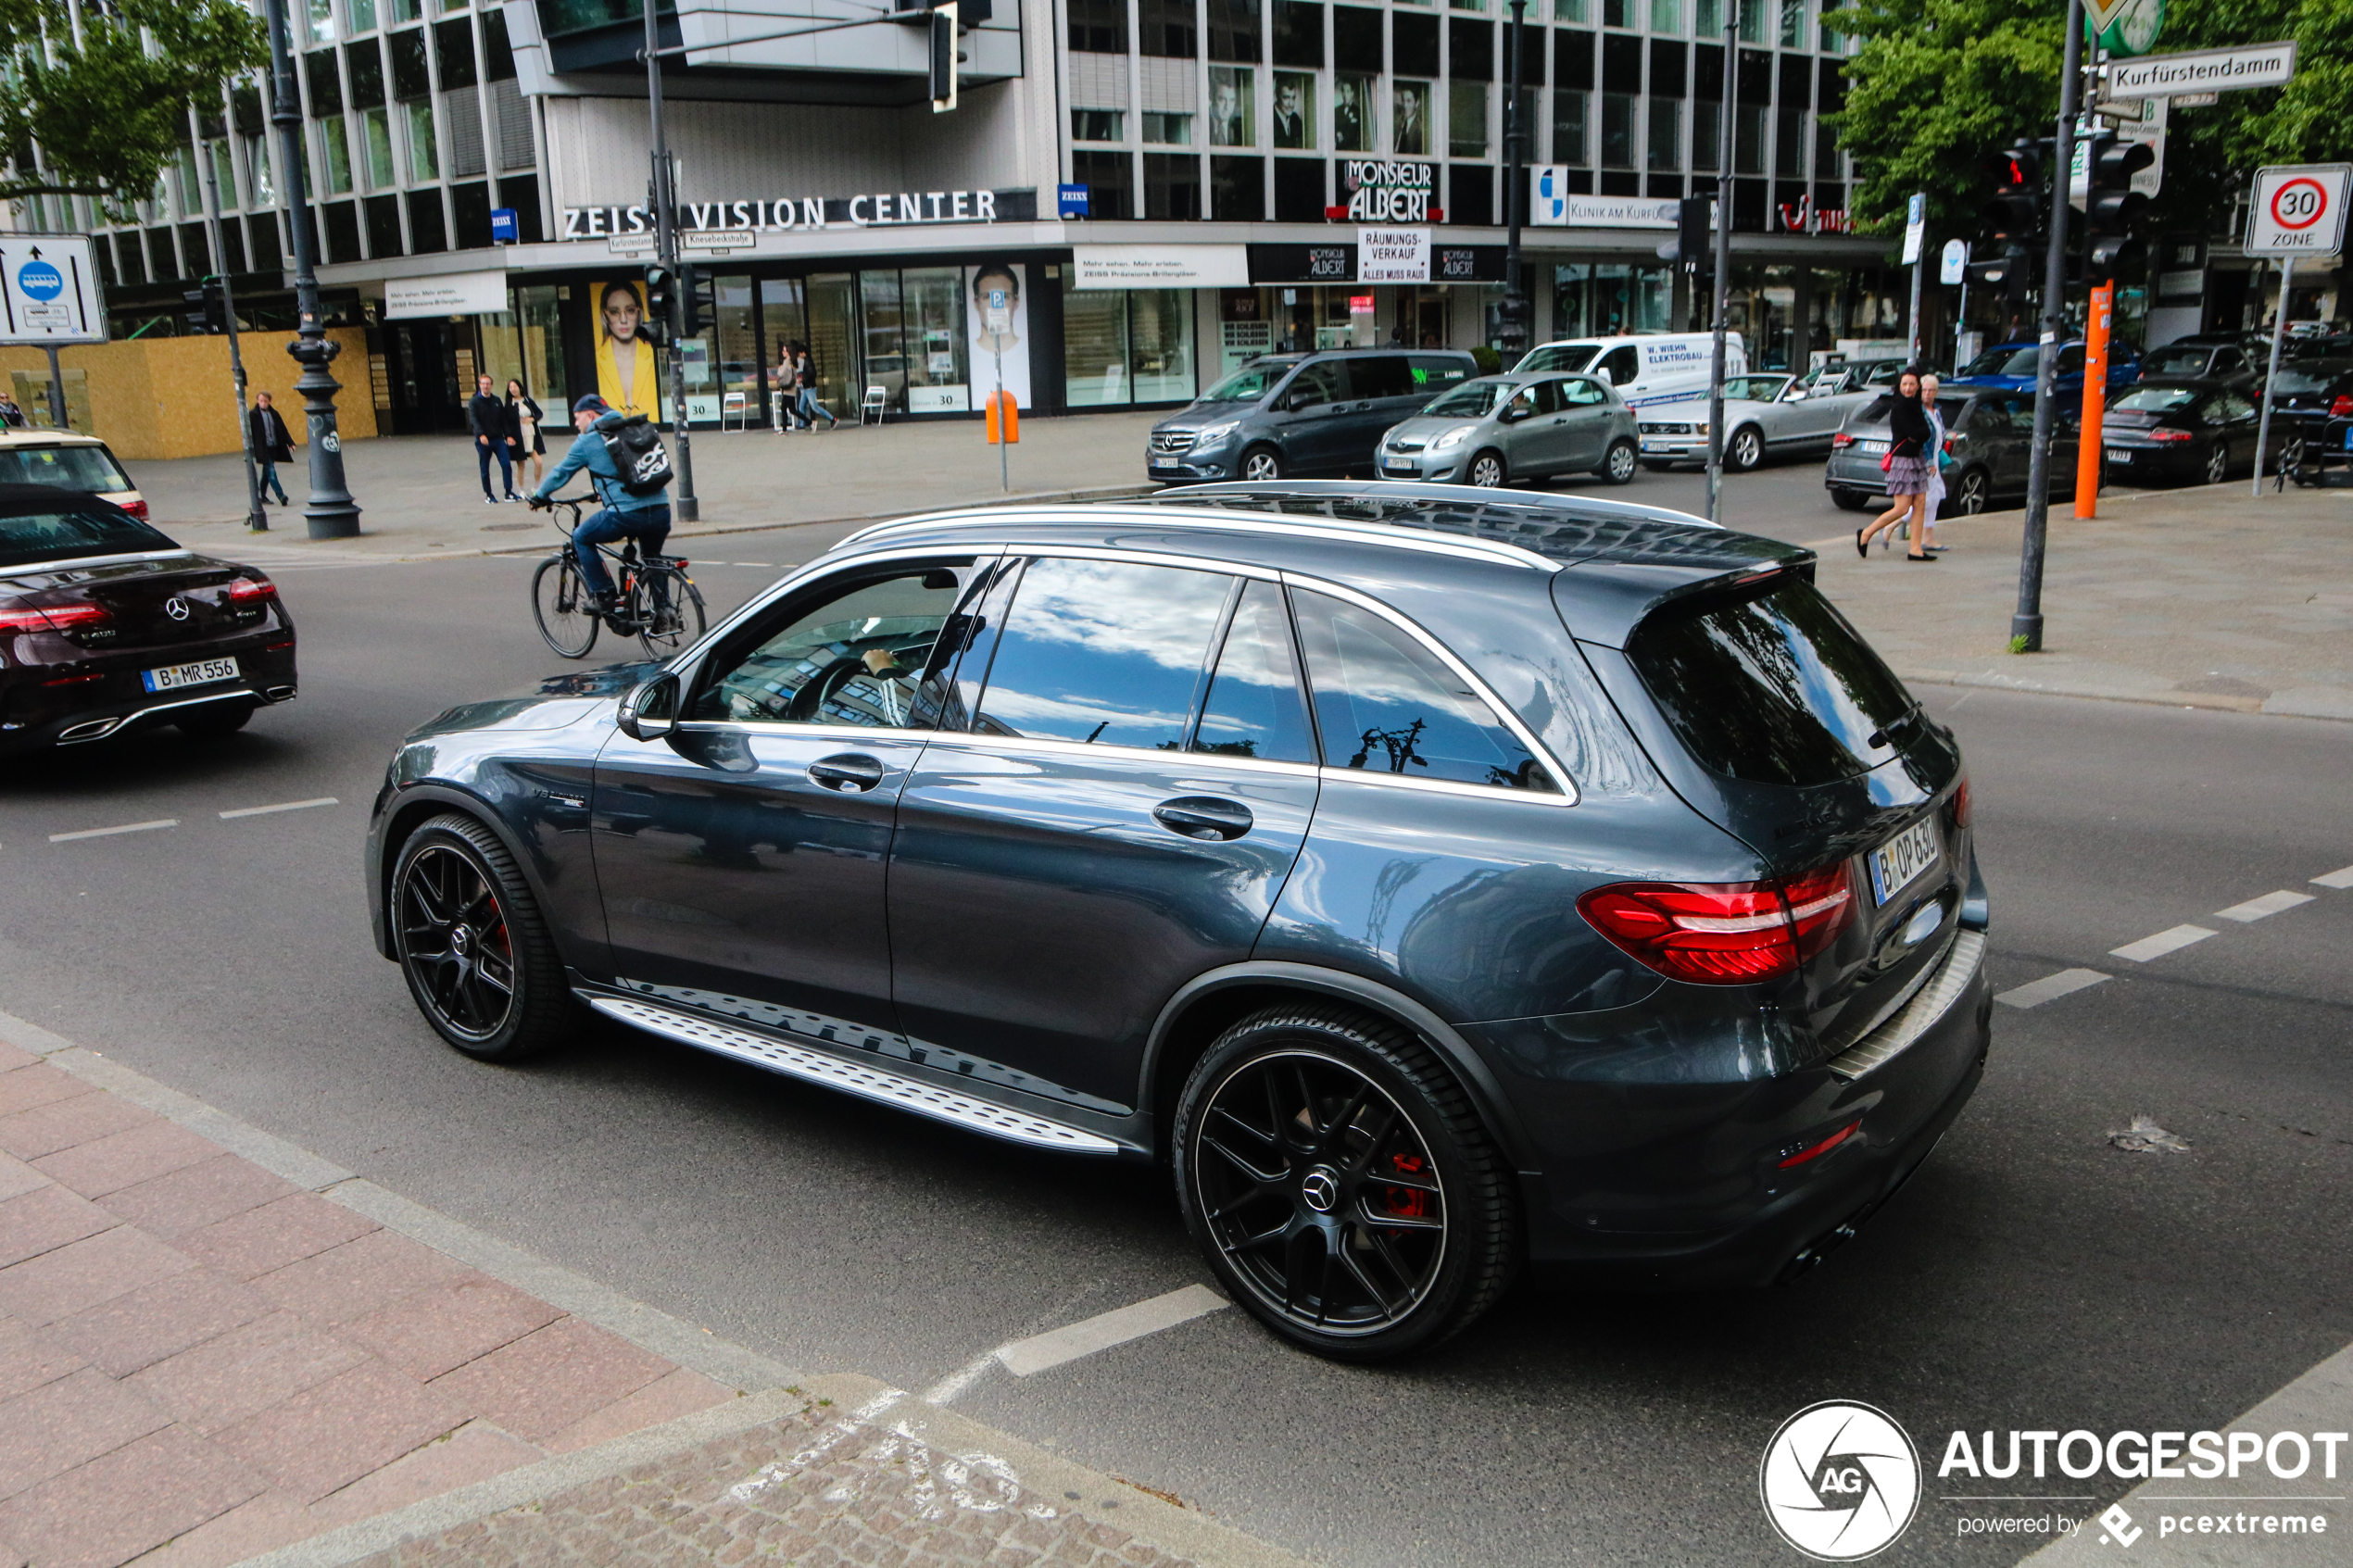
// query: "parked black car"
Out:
[2189,360]
[2311,386]
[106,623]
[1434,880]
[1990,434]
[1299,414]
[2178,432]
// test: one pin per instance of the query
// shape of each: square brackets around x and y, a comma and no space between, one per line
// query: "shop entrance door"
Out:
[420,361]
[832,341]
[781,322]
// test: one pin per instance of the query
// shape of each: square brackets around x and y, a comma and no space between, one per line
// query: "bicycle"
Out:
[655,601]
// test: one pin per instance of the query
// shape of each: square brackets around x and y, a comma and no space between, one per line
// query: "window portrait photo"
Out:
[624,354]
[1411,115]
[1232,107]
[1294,109]
[1352,127]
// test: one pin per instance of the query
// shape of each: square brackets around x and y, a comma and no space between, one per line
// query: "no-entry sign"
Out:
[2298,209]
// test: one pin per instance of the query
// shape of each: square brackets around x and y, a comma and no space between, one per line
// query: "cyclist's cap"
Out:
[592,404]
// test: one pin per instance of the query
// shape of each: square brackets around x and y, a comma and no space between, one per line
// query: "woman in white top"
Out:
[1936,459]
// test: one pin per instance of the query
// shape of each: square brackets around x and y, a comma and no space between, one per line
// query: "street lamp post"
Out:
[2026,625]
[666,252]
[256,515]
[1723,288]
[332,513]
[1514,334]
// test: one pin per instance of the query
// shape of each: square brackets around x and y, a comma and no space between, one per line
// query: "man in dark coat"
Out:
[272,444]
[486,417]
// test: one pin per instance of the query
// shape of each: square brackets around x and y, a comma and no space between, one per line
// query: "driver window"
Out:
[1317,381]
[1522,404]
[1624,365]
[854,659]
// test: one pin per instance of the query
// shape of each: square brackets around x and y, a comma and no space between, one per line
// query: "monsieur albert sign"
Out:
[879,210]
[1386,191]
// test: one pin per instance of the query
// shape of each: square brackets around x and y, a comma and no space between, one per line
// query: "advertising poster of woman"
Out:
[625,355]
[999,285]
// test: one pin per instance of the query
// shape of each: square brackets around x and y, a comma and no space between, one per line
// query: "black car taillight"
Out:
[16,617]
[250,593]
[1724,934]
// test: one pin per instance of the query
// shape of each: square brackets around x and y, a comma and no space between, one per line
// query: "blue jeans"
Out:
[483,452]
[270,484]
[650,526]
[809,408]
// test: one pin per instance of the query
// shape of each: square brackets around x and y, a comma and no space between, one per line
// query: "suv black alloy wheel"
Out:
[1340,1185]
[472,943]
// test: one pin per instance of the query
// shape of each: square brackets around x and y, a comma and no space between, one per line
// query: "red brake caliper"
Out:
[1407,1203]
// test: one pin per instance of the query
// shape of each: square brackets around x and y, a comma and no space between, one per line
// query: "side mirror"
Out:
[1511,414]
[650,712]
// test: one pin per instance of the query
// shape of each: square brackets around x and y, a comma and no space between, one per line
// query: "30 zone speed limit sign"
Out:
[2299,209]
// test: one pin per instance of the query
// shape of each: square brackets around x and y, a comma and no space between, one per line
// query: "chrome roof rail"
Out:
[1220,519]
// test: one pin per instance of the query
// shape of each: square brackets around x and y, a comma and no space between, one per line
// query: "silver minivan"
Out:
[1498,429]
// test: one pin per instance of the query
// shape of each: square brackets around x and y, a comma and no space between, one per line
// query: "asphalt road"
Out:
[2031,1276]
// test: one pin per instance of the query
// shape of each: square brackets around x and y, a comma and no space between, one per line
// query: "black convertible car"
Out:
[105,623]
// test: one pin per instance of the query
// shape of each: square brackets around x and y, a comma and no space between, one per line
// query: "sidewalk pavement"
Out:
[419,494]
[2196,598]
[217,1347]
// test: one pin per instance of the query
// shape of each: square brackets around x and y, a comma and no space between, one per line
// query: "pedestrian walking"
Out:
[272,445]
[787,384]
[523,430]
[10,415]
[1939,459]
[1906,466]
[805,375]
[486,417]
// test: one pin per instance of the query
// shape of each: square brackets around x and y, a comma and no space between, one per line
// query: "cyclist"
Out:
[643,518]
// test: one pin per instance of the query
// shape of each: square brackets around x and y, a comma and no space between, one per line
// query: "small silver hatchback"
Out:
[1502,430]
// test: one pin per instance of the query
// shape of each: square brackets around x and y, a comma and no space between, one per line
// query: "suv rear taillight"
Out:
[1961,803]
[1724,933]
[16,617]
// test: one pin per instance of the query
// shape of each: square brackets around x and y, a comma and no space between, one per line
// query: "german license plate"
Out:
[1873,448]
[1897,864]
[2116,455]
[1166,463]
[1654,444]
[1403,470]
[204,671]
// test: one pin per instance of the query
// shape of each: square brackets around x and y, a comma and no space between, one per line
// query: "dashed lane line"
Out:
[2270,904]
[282,806]
[2164,942]
[109,833]
[1023,1358]
[2343,879]
[2034,993]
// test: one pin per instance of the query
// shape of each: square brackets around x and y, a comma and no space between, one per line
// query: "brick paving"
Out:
[200,1362]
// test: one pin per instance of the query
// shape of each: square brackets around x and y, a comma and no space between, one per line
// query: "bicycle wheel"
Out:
[560,603]
[671,618]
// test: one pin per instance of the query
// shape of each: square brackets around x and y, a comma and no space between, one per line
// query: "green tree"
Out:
[110,111]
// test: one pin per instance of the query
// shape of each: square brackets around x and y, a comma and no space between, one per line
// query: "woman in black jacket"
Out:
[1908,458]
[522,431]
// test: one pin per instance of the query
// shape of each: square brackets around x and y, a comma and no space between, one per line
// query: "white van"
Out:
[1647,371]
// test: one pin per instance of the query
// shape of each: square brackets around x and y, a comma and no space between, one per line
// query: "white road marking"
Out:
[2335,879]
[2164,942]
[2034,993]
[1024,1357]
[108,833]
[282,806]
[2270,904]
[761,564]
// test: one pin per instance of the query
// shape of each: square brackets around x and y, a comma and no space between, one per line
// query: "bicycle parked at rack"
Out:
[654,600]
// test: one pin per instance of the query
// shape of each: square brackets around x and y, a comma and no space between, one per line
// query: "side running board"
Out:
[866,1081]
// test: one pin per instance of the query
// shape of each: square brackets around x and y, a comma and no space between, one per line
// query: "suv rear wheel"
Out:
[1340,1185]
[472,944]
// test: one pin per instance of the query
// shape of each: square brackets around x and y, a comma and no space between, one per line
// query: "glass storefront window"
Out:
[938,380]
[1127,346]
[738,344]
[833,342]
[1611,300]
[1161,343]
[782,321]
[882,337]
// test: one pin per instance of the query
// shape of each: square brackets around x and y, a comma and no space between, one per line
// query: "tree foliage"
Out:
[110,112]
[1938,84]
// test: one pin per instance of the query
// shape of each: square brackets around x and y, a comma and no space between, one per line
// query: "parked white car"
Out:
[1763,414]
[1648,370]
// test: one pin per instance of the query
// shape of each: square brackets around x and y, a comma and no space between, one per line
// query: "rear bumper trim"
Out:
[1950,982]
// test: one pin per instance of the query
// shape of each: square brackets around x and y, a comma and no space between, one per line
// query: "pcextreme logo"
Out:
[1839,1481]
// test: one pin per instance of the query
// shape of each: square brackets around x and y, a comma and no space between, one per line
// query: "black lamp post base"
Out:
[332,522]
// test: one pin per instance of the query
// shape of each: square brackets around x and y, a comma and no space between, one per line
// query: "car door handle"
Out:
[850,771]
[1204,817]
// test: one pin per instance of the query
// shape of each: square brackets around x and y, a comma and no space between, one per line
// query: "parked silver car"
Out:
[1763,414]
[1498,429]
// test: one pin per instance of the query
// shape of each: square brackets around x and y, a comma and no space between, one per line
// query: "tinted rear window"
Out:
[67,468]
[1770,685]
[35,537]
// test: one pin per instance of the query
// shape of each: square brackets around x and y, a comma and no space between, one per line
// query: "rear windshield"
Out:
[1770,685]
[2312,378]
[1559,356]
[1250,383]
[2176,362]
[34,538]
[67,468]
[2159,399]
[1472,400]
[2007,361]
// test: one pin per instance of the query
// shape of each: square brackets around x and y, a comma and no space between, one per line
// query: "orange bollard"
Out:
[2087,449]
[1009,419]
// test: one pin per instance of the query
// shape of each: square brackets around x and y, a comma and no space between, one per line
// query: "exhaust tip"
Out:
[90,730]
[280,694]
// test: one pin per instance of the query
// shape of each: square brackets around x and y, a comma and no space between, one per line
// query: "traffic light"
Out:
[1693,217]
[2113,208]
[2011,222]
[700,291]
[943,57]
[659,284]
[208,305]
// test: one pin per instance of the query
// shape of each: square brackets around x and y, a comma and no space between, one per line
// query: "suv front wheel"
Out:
[1340,1185]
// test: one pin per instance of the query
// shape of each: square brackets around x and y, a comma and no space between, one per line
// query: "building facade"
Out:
[1130,198]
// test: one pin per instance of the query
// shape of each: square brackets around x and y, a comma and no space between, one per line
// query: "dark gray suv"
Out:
[1290,415]
[1436,882]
